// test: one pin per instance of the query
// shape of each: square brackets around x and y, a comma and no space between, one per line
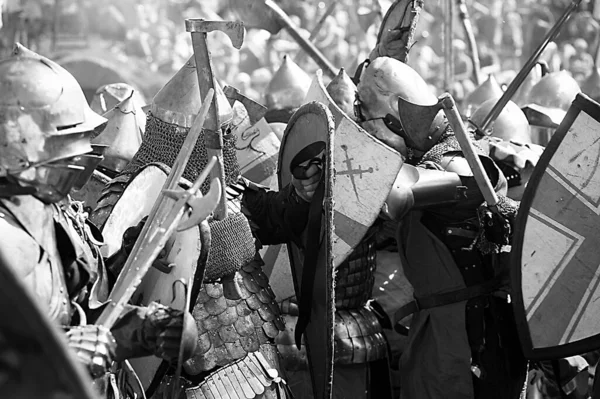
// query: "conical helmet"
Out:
[169,120]
[288,87]
[343,91]
[591,86]
[485,91]
[108,96]
[510,125]
[122,134]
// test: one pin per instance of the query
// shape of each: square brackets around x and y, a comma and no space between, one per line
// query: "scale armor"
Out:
[235,312]
[359,337]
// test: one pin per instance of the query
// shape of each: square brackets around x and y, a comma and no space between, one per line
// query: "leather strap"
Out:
[446,298]
[309,267]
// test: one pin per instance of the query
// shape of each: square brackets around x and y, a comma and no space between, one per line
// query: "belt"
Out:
[447,298]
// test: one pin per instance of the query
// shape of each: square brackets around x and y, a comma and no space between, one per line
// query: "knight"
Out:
[235,309]
[45,131]
[462,321]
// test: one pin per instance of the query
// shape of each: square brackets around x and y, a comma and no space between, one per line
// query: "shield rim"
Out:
[581,103]
[323,109]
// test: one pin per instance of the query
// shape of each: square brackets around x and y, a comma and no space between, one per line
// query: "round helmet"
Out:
[389,87]
[555,90]
[510,125]
[45,122]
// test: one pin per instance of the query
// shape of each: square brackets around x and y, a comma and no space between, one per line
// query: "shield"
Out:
[184,252]
[365,173]
[35,361]
[555,258]
[402,15]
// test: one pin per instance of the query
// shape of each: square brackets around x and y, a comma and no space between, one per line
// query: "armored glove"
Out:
[166,330]
[94,346]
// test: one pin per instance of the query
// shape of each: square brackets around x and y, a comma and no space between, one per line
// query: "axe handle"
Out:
[307,46]
[489,194]
[212,133]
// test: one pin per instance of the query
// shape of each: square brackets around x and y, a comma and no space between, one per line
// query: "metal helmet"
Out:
[288,87]
[391,90]
[170,118]
[343,91]
[553,94]
[108,96]
[490,89]
[122,135]
[510,125]
[45,124]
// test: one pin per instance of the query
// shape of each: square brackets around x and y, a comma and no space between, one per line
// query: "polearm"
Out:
[463,13]
[284,20]
[531,62]
[316,30]
[199,29]
[164,218]
[448,48]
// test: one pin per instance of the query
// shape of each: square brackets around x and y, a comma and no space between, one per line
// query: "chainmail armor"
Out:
[232,247]
[163,141]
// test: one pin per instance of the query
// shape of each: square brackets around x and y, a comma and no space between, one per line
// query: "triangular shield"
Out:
[555,258]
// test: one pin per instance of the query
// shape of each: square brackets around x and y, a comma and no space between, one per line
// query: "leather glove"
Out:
[130,237]
[393,45]
[95,347]
[166,330]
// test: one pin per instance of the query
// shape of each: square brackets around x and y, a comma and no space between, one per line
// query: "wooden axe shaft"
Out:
[481,177]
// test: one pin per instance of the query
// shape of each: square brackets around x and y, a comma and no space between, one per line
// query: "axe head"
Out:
[202,206]
[234,29]
[255,110]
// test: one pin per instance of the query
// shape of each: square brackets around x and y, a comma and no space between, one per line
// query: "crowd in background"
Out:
[150,35]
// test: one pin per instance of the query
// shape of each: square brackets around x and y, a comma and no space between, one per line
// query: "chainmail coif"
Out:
[162,143]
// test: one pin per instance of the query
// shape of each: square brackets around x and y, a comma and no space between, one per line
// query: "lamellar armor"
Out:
[235,311]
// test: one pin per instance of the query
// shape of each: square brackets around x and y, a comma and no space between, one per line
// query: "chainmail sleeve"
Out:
[275,217]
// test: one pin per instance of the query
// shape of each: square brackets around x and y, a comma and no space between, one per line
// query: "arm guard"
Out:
[276,217]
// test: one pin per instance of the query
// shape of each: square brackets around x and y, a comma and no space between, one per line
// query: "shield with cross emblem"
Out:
[556,248]
[358,174]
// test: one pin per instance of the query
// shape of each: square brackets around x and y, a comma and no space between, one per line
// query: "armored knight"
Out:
[45,131]
[462,323]
[235,310]
[361,351]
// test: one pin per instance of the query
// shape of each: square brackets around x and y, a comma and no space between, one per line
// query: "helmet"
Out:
[511,124]
[485,91]
[394,92]
[169,120]
[108,96]
[44,123]
[343,92]
[122,134]
[288,87]
[553,95]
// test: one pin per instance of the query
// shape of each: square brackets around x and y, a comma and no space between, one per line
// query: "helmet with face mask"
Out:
[45,127]
[393,92]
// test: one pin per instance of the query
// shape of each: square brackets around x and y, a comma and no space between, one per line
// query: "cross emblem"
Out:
[350,172]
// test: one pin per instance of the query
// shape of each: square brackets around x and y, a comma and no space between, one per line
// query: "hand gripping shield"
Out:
[35,359]
[555,263]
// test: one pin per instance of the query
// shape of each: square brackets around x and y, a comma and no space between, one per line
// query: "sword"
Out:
[162,221]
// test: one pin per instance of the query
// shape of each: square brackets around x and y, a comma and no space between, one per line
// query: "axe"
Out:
[255,110]
[213,136]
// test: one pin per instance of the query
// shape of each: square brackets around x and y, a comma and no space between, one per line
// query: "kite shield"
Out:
[35,361]
[555,258]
